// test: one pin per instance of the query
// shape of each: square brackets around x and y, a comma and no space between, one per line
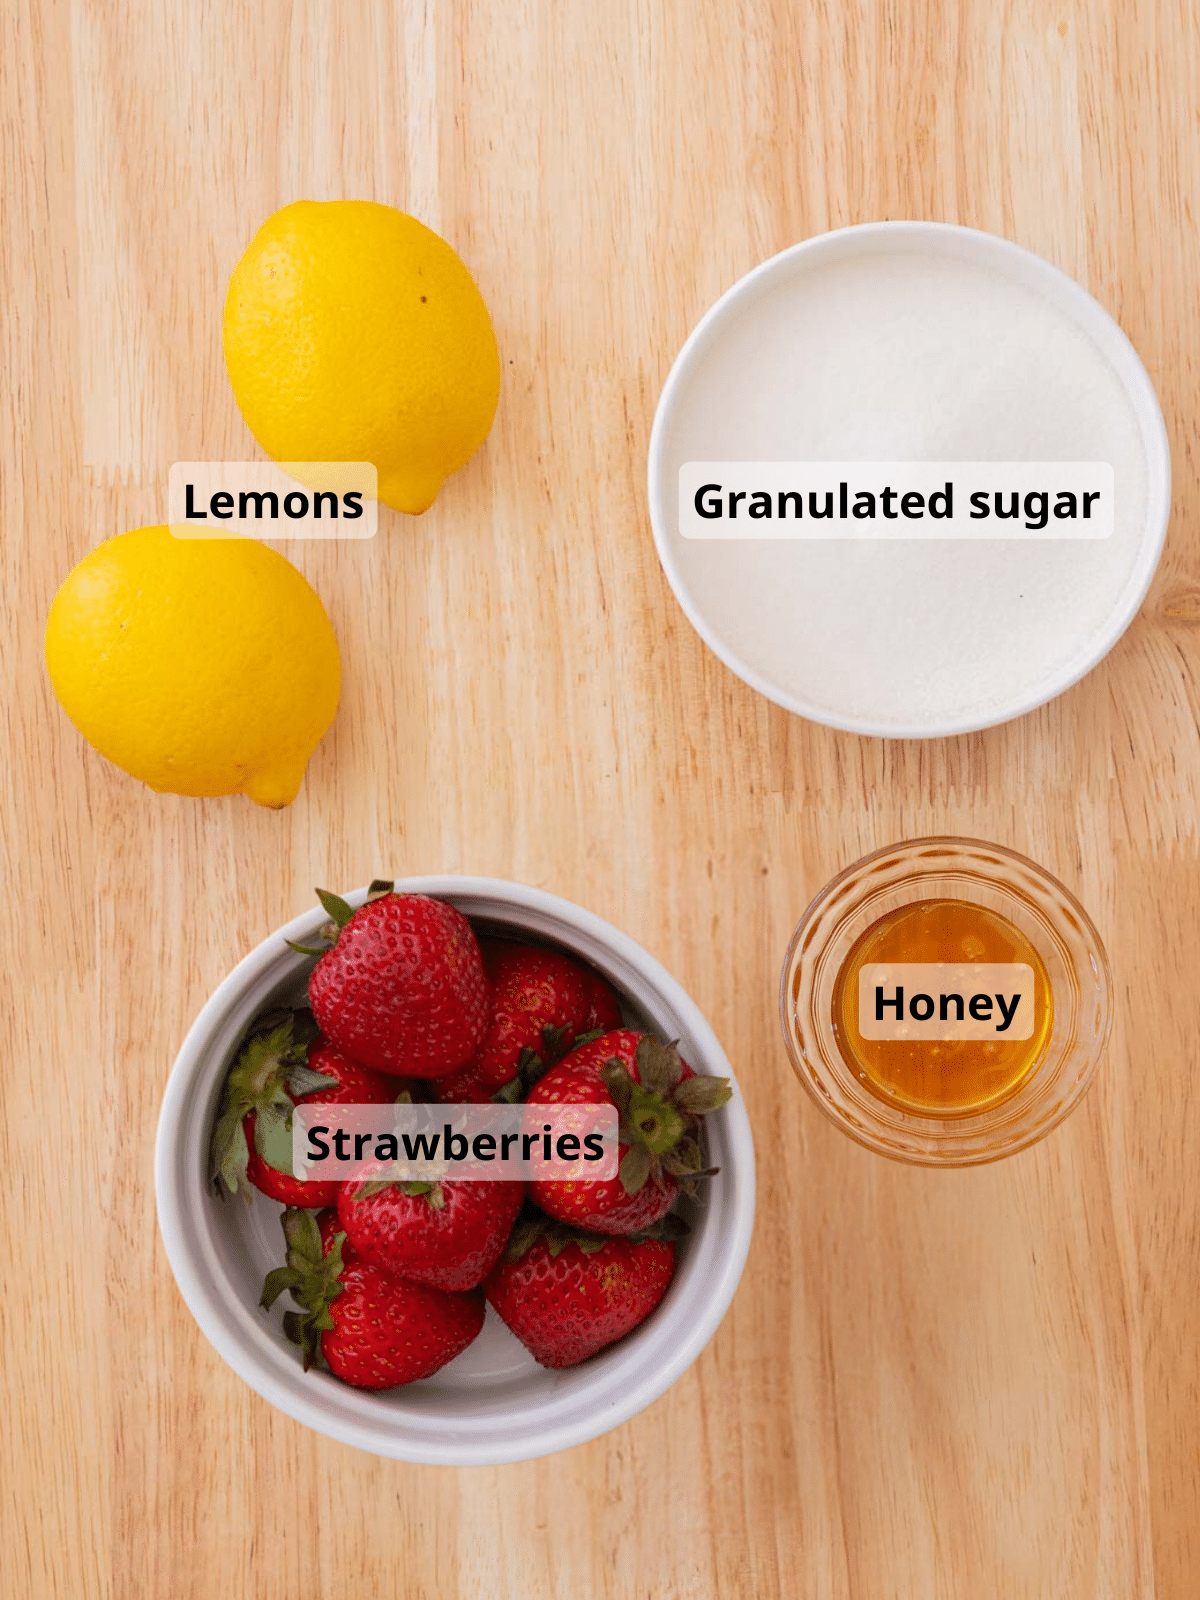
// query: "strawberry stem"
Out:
[660,1114]
[337,909]
[312,1277]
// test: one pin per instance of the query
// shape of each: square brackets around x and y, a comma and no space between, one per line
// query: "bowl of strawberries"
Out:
[453,1319]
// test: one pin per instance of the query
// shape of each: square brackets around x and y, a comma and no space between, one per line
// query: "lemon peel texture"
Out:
[353,332]
[200,666]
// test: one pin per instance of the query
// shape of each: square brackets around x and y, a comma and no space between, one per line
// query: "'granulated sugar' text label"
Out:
[896,500]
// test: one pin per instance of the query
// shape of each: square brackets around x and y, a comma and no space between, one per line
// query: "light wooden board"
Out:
[930,1386]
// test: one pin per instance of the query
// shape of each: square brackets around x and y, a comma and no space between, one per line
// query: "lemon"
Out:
[354,333]
[200,666]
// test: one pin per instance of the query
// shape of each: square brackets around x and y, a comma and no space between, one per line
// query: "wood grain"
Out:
[930,1385]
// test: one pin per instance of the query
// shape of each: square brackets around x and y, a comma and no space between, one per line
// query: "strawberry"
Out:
[604,1009]
[330,1228]
[474,1085]
[660,1101]
[402,988]
[539,1004]
[447,1234]
[568,1294]
[373,1329]
[276,1071]
[464,1087]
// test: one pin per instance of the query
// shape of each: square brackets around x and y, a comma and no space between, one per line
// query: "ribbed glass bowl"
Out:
[948,869]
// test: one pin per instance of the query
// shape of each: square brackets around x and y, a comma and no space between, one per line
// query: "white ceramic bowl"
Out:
[494,1403]
[800,620]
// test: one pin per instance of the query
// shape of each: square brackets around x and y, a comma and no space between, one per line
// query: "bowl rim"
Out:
[181,1231]
[1070,297]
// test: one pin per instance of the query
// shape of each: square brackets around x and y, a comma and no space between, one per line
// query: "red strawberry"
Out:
[660,1101]
[567,1295]
[403,988]
[474,1085]
[330,1227]
[464,1087]
[448,1234]
[539,1004]
[604,1009]
[252,1141]
[374,1330]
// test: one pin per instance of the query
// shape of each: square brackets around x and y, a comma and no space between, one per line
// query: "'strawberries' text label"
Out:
[896,500]
[425,1143]
[946,1000]
[273,500]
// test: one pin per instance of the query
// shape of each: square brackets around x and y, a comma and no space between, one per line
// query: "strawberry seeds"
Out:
[388,1278]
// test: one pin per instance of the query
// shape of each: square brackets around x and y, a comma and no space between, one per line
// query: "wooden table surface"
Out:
[980,1384]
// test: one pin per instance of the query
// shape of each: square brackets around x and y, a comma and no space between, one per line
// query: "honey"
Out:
[986,991]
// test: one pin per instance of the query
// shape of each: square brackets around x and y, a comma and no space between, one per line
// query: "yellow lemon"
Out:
[201,666]
[354,333]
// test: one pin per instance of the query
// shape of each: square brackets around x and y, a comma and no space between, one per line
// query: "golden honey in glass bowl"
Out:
[958,945]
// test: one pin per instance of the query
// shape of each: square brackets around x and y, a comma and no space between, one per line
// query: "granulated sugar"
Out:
[895,357]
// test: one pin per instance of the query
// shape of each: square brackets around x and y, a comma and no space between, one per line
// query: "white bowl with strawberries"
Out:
[454,1321]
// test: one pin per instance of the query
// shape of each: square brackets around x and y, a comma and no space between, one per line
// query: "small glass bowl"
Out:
[948,869]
